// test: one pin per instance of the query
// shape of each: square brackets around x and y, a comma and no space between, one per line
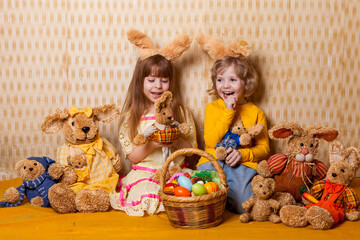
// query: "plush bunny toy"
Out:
[299,168]
[84,187]
[337,200]
[165,129]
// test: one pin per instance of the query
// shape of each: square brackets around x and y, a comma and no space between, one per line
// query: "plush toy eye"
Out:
[24,167]
[164,113]
[301,144]
[260,186]
[311,145]
[73,123]
[342,170]
[35,164]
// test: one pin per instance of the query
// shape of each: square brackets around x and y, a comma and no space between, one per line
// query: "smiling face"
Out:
[155,86]
[229,84]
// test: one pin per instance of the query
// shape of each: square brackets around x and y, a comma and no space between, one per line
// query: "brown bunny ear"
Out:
[213,47]
[106,113]
[328,134]
[239,49]
[174,49]
[53,123]
[161,102]
[336,152]
[352,157]
[143,42]
[284,130]
[168,98]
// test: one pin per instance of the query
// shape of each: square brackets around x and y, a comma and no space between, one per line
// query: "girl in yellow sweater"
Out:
[233,81]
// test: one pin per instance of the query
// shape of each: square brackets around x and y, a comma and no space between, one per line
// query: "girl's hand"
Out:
[233,158]
[230,102]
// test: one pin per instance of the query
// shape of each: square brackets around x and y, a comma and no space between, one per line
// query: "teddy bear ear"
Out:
[106,113]
[19,165]
[284,130]
[53,123]
[257,178]
[352,156]
[328,134]
[336,152]
[272,182]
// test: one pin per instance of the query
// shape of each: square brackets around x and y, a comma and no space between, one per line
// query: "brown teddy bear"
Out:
[337,200]
[39,174]
[237,137]
[90,191]
[77,160]
[164,130]
[261,207]
[298,169]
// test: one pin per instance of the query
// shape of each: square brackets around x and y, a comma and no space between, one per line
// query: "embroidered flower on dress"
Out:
[127,143]
[121,136]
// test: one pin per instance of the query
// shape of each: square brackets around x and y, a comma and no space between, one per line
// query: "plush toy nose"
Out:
[305,151]
[334,174]
[31,169]
[85,129]
[169,117]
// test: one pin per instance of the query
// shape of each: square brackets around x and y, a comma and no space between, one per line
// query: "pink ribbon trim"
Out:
[128,188]
[144,169]
[147,118]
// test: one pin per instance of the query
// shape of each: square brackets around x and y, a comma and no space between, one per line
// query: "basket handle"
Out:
[189,152]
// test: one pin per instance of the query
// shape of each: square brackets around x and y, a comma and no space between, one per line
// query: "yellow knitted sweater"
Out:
[218,121]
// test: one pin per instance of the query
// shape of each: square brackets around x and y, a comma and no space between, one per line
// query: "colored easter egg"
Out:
[169,188]
[199,189]
[211,187]
[181,192]
[187,175]
[197,180]
[175,181]
[185,182]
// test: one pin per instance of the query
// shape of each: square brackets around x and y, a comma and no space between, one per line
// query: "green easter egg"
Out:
[198,189]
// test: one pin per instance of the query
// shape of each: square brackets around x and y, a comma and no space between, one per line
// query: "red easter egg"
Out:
[211,187]
[187,175]
[169,188]
[182,192]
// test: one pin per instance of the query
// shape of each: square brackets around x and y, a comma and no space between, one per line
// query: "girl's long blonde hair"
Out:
[136,103]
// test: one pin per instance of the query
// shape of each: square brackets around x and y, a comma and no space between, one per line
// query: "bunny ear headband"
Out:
[217,50]
[147,48]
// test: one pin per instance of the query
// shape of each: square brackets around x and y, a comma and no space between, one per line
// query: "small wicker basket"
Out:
[195,212]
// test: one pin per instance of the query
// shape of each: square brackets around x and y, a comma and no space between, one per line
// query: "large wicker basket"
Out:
[195,212]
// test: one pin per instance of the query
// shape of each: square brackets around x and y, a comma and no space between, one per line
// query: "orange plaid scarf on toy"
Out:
[348,198]
[164,136]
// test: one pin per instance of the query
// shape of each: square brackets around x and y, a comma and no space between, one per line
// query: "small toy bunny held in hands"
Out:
[165,130]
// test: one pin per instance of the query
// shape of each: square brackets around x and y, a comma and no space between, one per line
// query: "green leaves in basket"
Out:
[213,175]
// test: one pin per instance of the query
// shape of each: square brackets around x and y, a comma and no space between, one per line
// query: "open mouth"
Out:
[86,138]
[156,94]
[227,94]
